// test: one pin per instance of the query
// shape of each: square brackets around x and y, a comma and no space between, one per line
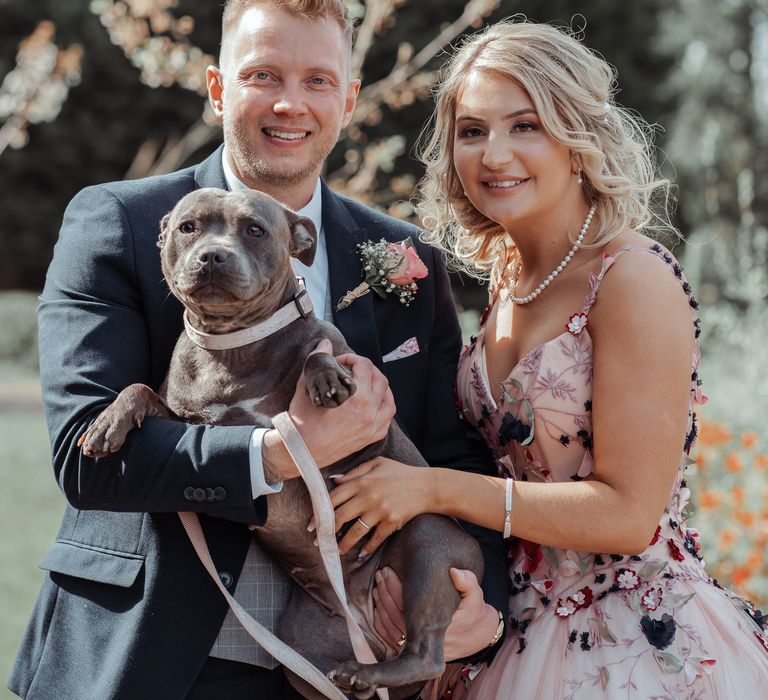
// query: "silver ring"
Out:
[400,642]
[364,524]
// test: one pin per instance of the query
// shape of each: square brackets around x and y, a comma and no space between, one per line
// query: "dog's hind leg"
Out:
[317,635]
[420,555]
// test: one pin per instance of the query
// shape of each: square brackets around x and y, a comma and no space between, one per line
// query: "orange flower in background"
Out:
[733,463]
[711,434]
[708,499]
[745,518]
[731,496]
[740,575]
[754,560]
[700,459]
[748,439]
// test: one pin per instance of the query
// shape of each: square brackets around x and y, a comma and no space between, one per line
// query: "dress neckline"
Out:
[483,364]
[594,281]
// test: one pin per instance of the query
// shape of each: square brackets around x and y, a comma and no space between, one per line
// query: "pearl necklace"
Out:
[560,267]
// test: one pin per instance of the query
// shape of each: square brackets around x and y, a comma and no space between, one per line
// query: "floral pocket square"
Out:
[408,348]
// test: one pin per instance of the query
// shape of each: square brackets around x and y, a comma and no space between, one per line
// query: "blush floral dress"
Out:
[586,625]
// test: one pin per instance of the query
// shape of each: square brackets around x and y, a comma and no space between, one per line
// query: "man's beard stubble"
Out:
[257,171]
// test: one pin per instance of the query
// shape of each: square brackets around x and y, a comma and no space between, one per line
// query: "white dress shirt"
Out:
[316,280]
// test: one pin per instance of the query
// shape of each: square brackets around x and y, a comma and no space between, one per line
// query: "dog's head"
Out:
[226,255]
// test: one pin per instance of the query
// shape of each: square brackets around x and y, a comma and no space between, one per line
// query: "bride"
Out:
[583,381]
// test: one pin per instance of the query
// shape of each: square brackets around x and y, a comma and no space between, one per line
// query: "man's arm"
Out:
[94,341]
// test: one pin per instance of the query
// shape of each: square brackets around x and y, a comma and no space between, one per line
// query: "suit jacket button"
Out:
[209,495]
[220,493]
[226,578]
[199,495]
[189,493]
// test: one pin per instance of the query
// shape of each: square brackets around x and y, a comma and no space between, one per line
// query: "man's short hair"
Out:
[307,9]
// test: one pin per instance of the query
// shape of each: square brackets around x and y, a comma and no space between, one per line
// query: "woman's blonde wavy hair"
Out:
[572,90]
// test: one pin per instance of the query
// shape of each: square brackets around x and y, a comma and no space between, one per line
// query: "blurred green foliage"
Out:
[18,341]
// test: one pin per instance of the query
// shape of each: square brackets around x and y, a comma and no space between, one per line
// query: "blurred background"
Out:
[112,89]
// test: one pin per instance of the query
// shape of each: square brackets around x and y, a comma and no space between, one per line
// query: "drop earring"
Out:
[579,179]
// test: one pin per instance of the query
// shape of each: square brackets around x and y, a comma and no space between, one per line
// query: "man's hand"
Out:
[333,433]
[472,627]
[474,623]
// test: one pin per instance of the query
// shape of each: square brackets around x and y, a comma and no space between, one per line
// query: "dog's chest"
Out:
[232,393]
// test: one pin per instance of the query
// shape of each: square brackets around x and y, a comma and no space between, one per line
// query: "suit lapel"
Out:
[356,322]
[210,173]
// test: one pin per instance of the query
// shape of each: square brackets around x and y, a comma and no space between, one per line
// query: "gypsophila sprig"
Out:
[389,268]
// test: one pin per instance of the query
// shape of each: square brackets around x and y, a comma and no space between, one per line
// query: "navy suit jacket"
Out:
[126,610]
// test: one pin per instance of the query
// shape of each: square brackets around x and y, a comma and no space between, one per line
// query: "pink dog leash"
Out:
[322,509]
[329,550]
[272,644]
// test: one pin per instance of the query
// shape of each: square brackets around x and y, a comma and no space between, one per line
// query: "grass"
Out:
[30,511]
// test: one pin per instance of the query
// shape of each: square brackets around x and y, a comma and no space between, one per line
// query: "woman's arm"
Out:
[642,334]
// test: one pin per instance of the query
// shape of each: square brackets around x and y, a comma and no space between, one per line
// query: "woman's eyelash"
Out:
[471,131]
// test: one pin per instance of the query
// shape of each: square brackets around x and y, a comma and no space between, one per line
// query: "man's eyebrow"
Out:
[251,62]
[511,115]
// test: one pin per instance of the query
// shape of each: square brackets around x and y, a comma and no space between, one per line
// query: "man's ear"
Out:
[214,79]
[350,101]
[303,237]
[163,230]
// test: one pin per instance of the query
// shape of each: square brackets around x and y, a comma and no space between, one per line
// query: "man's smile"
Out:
[285,135]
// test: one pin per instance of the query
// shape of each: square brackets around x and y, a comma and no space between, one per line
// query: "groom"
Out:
[126,610]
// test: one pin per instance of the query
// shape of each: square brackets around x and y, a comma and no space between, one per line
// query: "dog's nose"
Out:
[213,256]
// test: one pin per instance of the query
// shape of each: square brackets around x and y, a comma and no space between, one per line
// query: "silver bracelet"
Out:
[507,508]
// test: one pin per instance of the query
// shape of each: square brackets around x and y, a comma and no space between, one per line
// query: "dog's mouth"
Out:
[217,294]
[210,294]
[205,286]
[222,309]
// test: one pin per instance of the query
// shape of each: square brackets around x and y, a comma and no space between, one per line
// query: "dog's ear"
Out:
[163,230]
[303,237]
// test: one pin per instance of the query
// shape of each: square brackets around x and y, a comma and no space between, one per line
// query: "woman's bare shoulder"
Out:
[644,281]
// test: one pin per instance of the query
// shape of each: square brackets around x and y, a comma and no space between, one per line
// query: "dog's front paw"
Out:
[106,434]
[350,677]
[328,383]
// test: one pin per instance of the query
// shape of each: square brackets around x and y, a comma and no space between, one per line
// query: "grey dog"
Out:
[226,256]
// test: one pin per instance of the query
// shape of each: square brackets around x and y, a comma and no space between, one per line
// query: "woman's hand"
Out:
[384,495]
[472,627]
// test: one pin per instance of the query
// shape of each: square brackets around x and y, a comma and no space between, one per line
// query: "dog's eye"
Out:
[255,230]
[187,227]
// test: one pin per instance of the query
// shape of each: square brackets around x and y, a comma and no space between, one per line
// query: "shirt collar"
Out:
[312,210]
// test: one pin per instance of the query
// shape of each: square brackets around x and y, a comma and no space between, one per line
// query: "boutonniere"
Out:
[389,268]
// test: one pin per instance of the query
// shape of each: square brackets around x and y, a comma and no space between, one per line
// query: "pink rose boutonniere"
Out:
[389,268]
